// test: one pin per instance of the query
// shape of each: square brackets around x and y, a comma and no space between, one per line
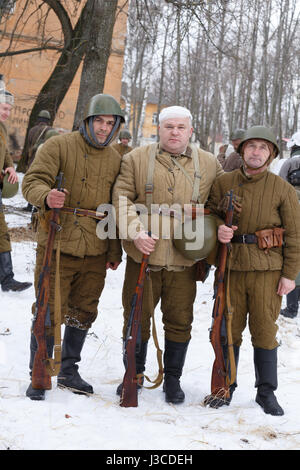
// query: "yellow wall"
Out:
[25,74]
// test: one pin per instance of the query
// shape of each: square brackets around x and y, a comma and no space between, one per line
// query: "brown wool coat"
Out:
[89,175]
[267,201]
[171,186]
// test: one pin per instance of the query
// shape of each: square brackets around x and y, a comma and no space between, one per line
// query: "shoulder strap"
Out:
[196,183]
[149,183]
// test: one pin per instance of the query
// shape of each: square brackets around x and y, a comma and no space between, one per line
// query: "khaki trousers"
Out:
[81,284]
[175,290]
[253,297]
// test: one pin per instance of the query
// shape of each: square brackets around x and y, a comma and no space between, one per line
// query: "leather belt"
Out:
[247,238]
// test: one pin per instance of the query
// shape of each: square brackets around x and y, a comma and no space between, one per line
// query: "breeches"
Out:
[4,235]
[81,284]
[177,292]
[253,294]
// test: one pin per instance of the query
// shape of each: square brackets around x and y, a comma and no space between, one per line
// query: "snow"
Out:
[65,421]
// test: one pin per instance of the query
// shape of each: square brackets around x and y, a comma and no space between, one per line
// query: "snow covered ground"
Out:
[65,421]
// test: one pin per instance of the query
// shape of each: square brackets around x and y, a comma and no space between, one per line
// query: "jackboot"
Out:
[140,361]
[292,299]
[7,276]
[35,393]
[68,376]
[217,402]
[265,363]
[174,359]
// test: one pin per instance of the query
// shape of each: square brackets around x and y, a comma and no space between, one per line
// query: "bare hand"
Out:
[56,199]
[12,175]
[144,243]
[285,286]
[225,233]
[112,265]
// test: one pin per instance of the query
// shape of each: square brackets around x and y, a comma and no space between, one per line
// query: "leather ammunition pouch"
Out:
[265,239]
[269,238]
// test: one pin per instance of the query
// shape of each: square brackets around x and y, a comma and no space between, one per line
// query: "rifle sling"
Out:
[53,365]
[229,314]
[159,353]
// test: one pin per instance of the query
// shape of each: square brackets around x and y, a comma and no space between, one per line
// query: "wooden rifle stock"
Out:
[219,378]
[129,395]
[41,378]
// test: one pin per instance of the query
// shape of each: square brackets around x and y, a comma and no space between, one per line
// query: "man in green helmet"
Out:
[36,136]
[231,160]
[159,176]
[7,281]
[90,167]
[261,269]
[123,145]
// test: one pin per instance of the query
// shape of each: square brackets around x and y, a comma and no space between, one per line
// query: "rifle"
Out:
[41,371]
[132,341]
[220,372]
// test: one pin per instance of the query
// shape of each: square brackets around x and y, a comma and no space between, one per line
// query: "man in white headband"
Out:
[162,175]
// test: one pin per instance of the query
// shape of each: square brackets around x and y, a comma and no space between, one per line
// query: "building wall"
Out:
[25,74]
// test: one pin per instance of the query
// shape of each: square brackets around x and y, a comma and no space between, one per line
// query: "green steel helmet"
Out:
[237,134]
[50,133]
[204,243]
[104,105]
[9,189]
[44,114]
[260,132]
[125,134]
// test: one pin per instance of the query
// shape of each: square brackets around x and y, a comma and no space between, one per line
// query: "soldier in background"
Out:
[290,171]
[123,146]
[36,137]
[233,160]
[7,168]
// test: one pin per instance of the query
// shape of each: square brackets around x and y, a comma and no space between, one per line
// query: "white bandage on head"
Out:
[174,112]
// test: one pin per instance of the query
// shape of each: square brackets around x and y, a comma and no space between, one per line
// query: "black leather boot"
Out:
[68,376]
[7,276]
[217,402]
[265,362]
[140,361]
[34,393]
[174,358]
[292,299]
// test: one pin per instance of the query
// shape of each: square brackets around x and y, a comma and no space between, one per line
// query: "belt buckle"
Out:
[244,238]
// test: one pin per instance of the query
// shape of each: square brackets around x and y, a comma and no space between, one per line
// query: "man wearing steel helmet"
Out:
[122,147]
[171,172]
[261,271]
[90,167]
[7,281]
